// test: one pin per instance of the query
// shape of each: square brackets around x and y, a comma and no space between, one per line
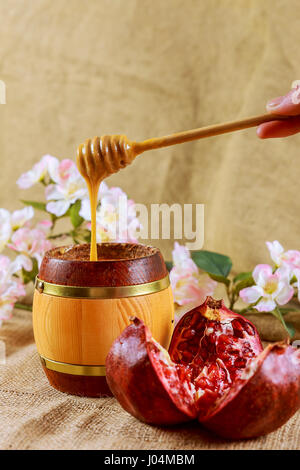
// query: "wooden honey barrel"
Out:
[81,306]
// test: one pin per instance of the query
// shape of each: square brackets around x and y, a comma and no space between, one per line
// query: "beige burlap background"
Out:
[74,69]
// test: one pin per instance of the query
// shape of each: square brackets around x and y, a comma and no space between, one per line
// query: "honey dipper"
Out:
[116,151]
[102,156]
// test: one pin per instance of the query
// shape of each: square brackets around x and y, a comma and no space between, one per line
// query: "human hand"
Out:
[284,105]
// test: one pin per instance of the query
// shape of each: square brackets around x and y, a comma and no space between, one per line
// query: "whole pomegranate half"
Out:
[216,371]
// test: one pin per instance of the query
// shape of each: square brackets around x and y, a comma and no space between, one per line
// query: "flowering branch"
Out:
[265,290]
[66,196]
[194,275]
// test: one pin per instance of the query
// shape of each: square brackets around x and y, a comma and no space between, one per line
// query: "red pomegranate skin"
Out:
[214,310]
[265,401]
[260,393]
[136,383]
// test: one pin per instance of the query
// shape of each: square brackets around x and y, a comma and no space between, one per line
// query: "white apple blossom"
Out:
[61,171]
[289,260]
[5,228]
[37,173]
[85,210]
[68,188]
[31,243]
[116,216]
[21,217]
[9,222]
[11,287]
[276,252]
[188,284]
[270,288]
[44,225]
[21,261]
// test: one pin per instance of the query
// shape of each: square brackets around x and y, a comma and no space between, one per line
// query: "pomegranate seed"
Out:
[212,338]
[249,329]
[187,356]
[240,362]
[182,346]
[238,329]
[188,334]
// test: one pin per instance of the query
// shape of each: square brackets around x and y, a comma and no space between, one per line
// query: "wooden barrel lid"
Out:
[119,264]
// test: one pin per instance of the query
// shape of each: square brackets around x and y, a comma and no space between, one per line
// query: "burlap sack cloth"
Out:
[76,69]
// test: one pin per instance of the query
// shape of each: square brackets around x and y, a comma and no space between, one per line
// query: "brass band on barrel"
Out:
[73,369]
[101,292]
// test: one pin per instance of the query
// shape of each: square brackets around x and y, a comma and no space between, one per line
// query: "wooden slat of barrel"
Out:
[81,331]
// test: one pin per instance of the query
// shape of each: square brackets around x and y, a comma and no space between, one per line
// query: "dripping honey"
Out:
[97,159]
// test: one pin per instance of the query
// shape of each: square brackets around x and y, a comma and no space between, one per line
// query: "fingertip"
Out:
[279,129]
[260,132]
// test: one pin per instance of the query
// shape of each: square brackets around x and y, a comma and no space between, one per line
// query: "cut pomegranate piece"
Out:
[144,380]
[216,372]
[263,398]
[215,345]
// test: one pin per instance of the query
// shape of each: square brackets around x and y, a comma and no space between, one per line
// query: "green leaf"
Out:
[212,263]
[285,310]
[66,214]
[169,265]
[40,206]
[76,219]
[29,276]
[243,276]
[21,306]
[55,237]
[291,329]
[222,279]
[287,326]
[86,235]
